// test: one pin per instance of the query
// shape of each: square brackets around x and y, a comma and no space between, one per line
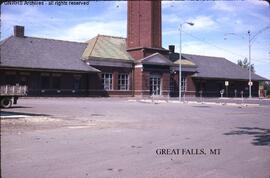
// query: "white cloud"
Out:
[223,6]
[263,18]
[120,5]
[30,17]
[76,28]
[169,32]
[168,3]
[202,23]
[171,18]
[196,47]
[114,10]
[85,31]
[259,2]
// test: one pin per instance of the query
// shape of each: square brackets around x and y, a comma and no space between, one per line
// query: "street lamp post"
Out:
[180,58]
[249,61]
[250,40]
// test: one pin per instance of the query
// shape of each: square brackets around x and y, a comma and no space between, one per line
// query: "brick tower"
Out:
[152,71]
[144,28]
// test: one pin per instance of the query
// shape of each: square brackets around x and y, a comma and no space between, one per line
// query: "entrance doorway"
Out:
[155,85]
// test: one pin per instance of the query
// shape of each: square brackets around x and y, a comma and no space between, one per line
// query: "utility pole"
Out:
[180,63]
[250,41]
[180,58]
[249,61]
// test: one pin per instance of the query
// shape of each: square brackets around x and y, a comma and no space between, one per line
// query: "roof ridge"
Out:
[96,39]
[5,40]
[112,36]
[154,54]
[54,39]
[203,55]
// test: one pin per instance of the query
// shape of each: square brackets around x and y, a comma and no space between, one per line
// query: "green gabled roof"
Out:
[185,62]
[106,47]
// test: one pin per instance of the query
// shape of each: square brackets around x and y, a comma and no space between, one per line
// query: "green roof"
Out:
[106,47]
[185,62]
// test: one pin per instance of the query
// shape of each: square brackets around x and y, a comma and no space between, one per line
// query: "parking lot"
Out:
[121,137]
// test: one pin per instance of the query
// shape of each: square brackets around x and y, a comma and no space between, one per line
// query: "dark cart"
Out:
[9,94]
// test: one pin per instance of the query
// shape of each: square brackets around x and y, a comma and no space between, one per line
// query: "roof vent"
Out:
[19,31]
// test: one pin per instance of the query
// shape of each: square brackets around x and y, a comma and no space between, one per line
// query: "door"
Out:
[155,85]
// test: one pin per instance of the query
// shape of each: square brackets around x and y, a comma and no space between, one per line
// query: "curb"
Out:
[195,102]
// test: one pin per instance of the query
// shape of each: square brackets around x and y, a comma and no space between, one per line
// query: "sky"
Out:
[220,27]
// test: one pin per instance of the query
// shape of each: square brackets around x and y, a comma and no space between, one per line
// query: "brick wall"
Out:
[137,54]
[165,83]
[144,24]
[138,81]
[95,85]
[191,89]
[146,82]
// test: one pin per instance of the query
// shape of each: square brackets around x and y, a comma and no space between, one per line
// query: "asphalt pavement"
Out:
[120,137]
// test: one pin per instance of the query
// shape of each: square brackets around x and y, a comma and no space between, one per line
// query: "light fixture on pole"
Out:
[250,41]
[249,64]
[180,57]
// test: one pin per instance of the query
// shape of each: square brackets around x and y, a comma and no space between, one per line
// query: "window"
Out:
[45,82]
[77,82]
[123,82]
[155,84]
[183,83]
[106,81]
[24,80]
[56,82]
[10,79]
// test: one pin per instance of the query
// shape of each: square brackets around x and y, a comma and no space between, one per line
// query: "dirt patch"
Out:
[30,123]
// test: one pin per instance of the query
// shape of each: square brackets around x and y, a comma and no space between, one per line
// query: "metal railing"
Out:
[13,90]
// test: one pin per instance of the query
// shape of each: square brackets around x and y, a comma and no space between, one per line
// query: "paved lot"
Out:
[91,137]
[260,101]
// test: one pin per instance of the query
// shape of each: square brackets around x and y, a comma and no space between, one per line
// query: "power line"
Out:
[220,48]
[261,60]
[211,44]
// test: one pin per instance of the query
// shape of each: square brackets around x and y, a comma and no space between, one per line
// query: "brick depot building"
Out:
[113,66]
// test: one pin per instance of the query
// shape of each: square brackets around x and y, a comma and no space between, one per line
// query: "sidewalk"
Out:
[198,100]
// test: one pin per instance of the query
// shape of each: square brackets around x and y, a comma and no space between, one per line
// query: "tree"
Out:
[244,64]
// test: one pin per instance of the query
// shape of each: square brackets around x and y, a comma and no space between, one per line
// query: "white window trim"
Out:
[184,82]
[127,88]
[110,86]
[160,80]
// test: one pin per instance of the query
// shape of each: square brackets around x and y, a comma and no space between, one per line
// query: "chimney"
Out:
[19,31]
[171,48]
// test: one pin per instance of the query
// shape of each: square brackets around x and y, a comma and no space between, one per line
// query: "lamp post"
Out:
[250,40]
[249,61]
[180,57]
